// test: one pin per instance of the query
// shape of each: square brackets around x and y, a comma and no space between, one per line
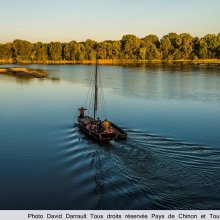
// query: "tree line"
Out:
[171,47]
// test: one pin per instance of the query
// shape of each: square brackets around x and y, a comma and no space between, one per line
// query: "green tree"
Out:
[73,50]
[90,49]
[150,48]
[81,52]
[211,41]
[218,47]
[110,49]
[5,51]
[55,51]
[203,49]
[66,51]
[130,46]
[22,50]
[41,53]
[116,50]
[173,38]
[195,46]
[104,50]
[183,46]
[171,46]
[152,39]
[150,52]
[70,51]
[166,48]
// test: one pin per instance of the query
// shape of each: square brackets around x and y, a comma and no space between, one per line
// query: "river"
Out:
[171,159]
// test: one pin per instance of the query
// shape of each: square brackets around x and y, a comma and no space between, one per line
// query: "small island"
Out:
[23,72]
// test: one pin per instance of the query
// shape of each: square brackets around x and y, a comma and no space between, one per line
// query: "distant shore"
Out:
[120,62]
[23,72]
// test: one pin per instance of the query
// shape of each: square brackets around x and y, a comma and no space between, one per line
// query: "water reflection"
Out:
[162,82]
[153,82]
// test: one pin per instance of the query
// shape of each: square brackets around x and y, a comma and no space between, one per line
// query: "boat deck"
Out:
[101,135]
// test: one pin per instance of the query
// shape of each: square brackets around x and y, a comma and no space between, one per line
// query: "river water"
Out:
[171,159]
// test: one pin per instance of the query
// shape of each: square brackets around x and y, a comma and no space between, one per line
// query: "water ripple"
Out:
[144,172]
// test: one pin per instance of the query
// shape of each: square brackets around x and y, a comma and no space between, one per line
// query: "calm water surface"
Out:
[171,159]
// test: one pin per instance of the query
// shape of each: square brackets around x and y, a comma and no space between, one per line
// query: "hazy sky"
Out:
[66,20]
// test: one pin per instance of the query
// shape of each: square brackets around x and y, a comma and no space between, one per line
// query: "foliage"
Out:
[170,47]
[55,51]
[130,46]
[21,50]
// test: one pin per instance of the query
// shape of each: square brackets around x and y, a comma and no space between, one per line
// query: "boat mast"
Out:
[96,87]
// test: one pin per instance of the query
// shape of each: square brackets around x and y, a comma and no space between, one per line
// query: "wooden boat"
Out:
[92,126]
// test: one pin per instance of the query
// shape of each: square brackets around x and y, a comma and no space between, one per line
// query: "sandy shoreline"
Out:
[120,62]
[23,72]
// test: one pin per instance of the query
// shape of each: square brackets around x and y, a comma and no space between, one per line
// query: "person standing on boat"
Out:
[81,112]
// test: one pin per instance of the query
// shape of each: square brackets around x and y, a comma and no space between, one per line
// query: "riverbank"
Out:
[23,72]
[120,62]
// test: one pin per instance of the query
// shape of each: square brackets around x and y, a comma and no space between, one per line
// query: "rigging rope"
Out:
[90,87]
[89,103]
[76,111]
[102,99]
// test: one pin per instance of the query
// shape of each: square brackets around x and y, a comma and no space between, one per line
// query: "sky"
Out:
[67,20]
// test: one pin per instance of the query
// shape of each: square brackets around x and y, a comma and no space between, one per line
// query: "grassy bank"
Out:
[118,62]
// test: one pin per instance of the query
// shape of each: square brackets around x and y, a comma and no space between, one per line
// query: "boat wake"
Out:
[145,171]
